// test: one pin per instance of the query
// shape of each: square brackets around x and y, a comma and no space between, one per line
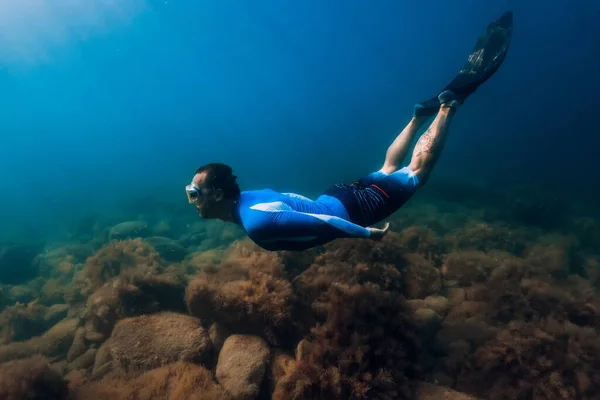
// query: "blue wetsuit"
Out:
[288,221]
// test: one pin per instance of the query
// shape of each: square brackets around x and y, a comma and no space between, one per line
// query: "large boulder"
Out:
[151,341]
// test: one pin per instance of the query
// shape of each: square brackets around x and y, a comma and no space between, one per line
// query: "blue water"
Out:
[112,102]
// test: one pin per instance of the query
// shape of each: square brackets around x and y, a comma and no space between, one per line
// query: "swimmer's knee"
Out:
[389,168]
[422,175]
[420,169]
[404,178]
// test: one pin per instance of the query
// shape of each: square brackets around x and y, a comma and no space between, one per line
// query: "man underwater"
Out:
[288,221]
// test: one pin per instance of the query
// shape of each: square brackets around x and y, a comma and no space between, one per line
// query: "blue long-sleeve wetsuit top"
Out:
[288,221]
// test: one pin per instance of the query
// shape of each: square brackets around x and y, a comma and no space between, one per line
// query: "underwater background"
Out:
[108,107]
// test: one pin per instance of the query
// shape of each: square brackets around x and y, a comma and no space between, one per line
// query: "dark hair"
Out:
[220,176]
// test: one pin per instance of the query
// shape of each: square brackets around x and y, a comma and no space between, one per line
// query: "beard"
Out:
[205,211]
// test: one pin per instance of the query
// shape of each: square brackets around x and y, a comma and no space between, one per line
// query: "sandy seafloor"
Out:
[474,294]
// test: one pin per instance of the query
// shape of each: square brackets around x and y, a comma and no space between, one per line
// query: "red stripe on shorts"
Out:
[380,189]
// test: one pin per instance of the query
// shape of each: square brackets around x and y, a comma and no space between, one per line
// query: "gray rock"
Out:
[78,345]
[94,337]
[55,342]
[129,230]
[168,249]
[428,322]
[439,304]
[241,366]
[103,362]
[56,313]
[84,361]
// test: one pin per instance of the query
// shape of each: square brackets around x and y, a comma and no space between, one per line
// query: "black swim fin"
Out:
[484,60]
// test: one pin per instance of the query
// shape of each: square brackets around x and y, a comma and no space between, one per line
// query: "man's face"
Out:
[207,202]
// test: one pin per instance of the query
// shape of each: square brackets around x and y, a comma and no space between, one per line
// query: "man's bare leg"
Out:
[430,144]
[398,150]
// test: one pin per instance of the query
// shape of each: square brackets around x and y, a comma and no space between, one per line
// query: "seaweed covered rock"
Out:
[53,343]
[168,249]
[178,381]
[60,260]
[124,279]
[210,234]
[151,341]
[439,304]
[133,294]
[242,365]
[365,349]
[518,292]
[351,262]
[554,255]
[465,324]
[354,261]
[31,379]
[483,236]
[103,362]
[116,258]
[427,322]
[421,240]
[247,294]
[83,362]
[20,294]
[24,321]
[197,262]
[195,234]
[281,363]
[421,278]
[549,360]
[470,266]
[162,228]
[78,347]
[386,263]
[129,230]
[520,327]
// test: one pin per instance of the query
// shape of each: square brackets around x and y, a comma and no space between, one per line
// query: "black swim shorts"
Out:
[376,196]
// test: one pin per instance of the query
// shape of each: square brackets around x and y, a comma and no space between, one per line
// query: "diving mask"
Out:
[194,192]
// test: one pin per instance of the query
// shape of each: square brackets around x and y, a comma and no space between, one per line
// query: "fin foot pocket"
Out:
[485,58]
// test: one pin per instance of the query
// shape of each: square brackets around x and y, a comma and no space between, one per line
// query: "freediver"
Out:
[288,221]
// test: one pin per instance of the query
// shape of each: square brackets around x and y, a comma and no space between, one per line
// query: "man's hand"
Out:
[377,234]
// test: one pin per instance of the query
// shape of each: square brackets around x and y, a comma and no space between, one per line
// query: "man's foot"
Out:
[450,99]
[427,108]
[430,107]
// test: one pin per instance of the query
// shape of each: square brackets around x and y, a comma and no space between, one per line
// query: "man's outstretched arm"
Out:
[272,227]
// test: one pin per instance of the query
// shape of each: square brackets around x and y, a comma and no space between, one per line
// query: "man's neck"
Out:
[232,214]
